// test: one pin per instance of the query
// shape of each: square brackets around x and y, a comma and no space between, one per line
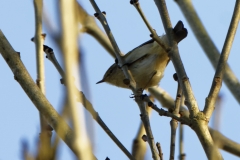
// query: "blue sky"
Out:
[19,118]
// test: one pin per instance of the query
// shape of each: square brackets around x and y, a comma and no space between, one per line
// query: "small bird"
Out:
[146,62]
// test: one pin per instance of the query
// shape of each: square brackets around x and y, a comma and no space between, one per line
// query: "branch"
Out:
[154,35]
[174,123]
[69,49]
[89,26]
[139,146]
[217,80]
[168,102]
[159,150]
[163,97]
[226,143]
[199,124]
[38,39]
[96,117]
[175,58]
[46,130]
[162,112]
[208,46]
[36,96]
[182,155]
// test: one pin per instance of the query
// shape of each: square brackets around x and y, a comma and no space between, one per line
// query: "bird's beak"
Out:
[100,81]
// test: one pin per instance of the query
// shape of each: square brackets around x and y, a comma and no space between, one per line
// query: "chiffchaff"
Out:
[146,62]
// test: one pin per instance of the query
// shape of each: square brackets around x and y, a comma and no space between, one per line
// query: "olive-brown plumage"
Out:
[146,62]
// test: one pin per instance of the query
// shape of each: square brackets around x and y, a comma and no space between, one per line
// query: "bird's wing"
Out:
[141,51]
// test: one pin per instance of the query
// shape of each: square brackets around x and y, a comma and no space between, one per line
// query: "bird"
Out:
[146,62]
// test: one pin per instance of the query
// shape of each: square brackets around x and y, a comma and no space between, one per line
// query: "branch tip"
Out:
[104,13]
[134,2]
[175,76]
[62,81]
[96,15]
[145,138]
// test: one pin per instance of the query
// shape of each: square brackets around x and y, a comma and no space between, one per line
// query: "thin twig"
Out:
[51,56]
[39,39]
[208,46]
[182,155]
[162,112]
[159,151]
[118,53]
[139,147]
[46,131]
[217,80]
[167,101]
[174,123]
[96,117]
[154,35]
[90,26]
[163,97]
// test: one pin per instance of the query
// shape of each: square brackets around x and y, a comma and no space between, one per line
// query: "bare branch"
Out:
[90,26]
[226,143]
[159,150]
[217,80]
[153,32]
[162,112]
[175,58]
[182,155]
[139,147]
[33,92]
[163,97]
[46,130]
[174,123]
[69,49]
[208,46]
[199,124]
